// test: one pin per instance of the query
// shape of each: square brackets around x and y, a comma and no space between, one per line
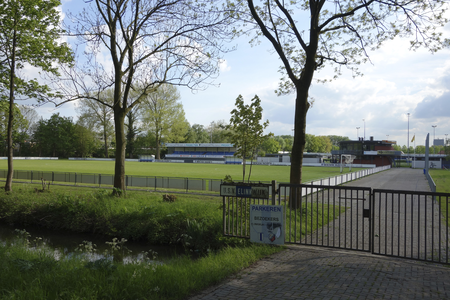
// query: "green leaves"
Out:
[246,131]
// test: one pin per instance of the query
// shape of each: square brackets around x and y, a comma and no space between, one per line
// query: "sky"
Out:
[396,82]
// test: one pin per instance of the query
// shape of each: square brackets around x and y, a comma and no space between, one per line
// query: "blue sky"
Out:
[397,82]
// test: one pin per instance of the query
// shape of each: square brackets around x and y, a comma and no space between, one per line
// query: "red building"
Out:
[379,153]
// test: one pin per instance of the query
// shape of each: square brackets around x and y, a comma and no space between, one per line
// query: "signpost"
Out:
[266,224]
[260,192]
[266,221]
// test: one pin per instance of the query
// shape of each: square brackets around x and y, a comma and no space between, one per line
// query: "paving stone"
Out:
[307,272]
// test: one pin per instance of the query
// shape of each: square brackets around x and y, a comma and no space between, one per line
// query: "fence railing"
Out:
[404,224]
[430,182]
[158,182]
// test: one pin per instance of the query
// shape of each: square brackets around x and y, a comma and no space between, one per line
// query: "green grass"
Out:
[442,180]
[139,216]
[36,274]
[192,220]
[187,170]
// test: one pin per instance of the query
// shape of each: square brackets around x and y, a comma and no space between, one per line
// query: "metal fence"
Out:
[405,224]
[430,181]
[156,182]
[411,225]
[151,182]
[320,215]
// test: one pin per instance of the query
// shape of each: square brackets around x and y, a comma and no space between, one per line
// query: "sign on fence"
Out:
[260,192]
[266,224]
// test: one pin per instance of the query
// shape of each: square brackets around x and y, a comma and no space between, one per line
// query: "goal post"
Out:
[346,160]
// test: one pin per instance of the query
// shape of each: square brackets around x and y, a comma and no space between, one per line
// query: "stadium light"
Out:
[364,129]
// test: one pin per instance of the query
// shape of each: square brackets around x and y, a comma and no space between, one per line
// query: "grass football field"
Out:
[185,170]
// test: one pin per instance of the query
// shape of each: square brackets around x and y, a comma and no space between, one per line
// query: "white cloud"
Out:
[223,66]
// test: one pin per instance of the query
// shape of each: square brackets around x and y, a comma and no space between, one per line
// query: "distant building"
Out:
[438,142]
[285,158]
[202,153]
[379,153]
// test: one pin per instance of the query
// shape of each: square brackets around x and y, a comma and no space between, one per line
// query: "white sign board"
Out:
[267,224]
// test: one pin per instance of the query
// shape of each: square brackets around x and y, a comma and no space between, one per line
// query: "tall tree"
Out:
[218,132]
[308,35]
[94,114]
[85,141]
[55,136]
[270,145]
[132,131]
[26,129]
[164,116]
[245,129]
[197,134]
[149,43]
[336,140]
[18,135]
[29,33]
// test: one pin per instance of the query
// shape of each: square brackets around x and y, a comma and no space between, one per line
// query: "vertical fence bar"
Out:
[405,242]
[334,216]
[446,233]
[398,224]
[224,216]
[432,228]
[351,219]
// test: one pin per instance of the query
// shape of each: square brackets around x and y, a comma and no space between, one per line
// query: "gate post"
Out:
[372,221]
[274,191]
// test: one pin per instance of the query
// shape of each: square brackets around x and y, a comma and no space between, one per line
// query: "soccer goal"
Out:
[347,160]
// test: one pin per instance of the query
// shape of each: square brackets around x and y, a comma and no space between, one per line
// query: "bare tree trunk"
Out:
[243,164]
[251,165]
[106,142]
[9,175]
[301,108]
[119,168]
[158,149]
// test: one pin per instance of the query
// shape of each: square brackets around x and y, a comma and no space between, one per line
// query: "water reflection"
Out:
[68,245]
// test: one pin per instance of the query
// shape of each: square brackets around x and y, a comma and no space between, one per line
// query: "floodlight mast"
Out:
[434,138]
[364,129]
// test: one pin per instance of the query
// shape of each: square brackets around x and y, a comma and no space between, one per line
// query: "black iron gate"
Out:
[404,224]
[411,225]
[329,216]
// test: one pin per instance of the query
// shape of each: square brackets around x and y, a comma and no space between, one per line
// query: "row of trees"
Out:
[420,149]
[315,144]
[151,43]
[158,119]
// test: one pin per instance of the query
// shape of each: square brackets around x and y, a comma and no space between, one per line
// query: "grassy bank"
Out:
[139,216]
[193,221]
[36,274]
[442,180]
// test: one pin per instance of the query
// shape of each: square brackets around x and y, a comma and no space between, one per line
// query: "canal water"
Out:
[64,244]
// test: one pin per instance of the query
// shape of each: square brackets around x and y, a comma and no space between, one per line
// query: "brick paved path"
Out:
[303,272]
